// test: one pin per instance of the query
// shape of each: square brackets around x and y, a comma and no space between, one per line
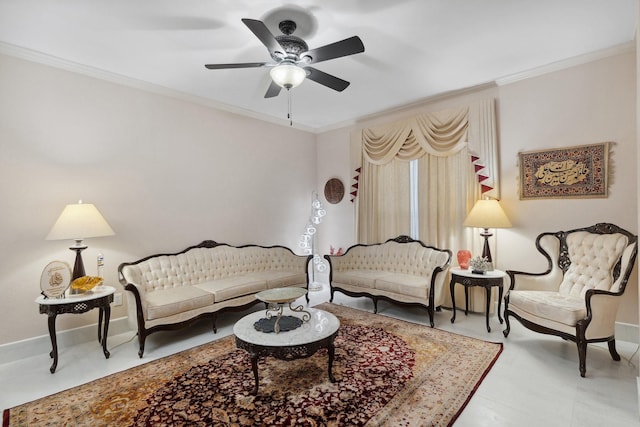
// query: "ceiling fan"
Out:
[293,57]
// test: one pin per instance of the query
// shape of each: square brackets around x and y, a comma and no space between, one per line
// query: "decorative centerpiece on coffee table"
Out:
[276,299]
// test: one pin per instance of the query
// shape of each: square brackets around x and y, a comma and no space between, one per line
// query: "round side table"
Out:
[468,279]
[80,303]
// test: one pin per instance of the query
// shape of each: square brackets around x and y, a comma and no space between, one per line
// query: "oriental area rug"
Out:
[389,373]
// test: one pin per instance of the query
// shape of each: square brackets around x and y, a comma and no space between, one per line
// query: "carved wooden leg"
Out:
[612,350]
[430,311]
[213,323]
[487,291]
[375,305]
[331,350]
[254,368]
[506,317]
[141,338]
[54,342]
[100,316]
[581,341]
[331,297]
[500,291]
[452,285]
[466,300]
[506,321]
[107,315]
[582,356]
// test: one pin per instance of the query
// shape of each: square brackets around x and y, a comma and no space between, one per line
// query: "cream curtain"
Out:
[384,203]
[447,191]
[444,143]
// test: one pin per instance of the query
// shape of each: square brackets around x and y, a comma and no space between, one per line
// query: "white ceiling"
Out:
[414,49]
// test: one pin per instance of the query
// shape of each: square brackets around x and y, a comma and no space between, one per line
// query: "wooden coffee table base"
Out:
[287,353]
[318,331]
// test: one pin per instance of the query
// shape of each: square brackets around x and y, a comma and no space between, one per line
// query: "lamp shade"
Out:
[288,75]
[79,221]
[487,214]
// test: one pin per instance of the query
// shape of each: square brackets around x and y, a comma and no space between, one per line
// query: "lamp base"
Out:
[78,266]
[486,251]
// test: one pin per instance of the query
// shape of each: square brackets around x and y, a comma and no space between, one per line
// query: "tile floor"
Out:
[535,381]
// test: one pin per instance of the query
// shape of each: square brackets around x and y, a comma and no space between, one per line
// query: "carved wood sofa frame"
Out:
[437,278]
[236,304]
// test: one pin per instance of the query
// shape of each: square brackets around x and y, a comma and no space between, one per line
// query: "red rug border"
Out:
[475,388]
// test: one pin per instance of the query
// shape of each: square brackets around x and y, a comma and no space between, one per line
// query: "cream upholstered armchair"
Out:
[577,297]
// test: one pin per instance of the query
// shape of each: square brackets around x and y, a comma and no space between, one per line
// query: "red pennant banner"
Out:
[479,167]
[354,186]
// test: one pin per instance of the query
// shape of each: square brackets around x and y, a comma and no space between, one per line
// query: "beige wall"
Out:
[165,173]
[584,104]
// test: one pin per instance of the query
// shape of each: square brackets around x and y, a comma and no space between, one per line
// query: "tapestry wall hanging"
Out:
[572,172]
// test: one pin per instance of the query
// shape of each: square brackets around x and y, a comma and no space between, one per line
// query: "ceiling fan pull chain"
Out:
[289,110]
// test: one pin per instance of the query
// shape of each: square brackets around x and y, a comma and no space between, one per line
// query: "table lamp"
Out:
[487,214]
[77,222]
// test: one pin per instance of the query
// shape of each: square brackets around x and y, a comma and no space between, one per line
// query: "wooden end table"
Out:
[468,279]
[316,333]
[80,303]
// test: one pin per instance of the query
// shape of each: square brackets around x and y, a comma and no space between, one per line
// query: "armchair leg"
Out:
[430,311]
[612,349]
[582,356]
[508,325]
[141,340]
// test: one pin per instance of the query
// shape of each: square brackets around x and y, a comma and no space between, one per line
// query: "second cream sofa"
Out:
[401,270]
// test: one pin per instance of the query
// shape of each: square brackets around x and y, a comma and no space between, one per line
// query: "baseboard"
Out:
[627,332]
[42,345]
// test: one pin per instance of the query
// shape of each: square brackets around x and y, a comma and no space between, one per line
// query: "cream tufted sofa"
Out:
[171,291]
[400,270]
[577,297]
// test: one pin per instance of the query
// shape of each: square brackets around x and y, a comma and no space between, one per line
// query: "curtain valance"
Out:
[439,134]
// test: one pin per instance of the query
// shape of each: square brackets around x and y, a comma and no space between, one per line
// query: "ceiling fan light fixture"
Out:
[288,75]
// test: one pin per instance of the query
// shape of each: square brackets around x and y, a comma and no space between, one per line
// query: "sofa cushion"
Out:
[170,301]
[282,279]
[550,305]
[233,287]
[403,284]
[362,278]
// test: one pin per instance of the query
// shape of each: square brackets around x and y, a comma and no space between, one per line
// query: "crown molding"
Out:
[45,59]
[75,67]
[624,48]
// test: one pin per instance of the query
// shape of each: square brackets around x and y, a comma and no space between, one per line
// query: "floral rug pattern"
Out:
[389,373]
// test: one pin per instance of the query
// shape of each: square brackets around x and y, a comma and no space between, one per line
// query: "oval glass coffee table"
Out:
[304,341]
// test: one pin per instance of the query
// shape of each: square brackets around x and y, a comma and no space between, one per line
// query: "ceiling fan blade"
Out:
[273,90]
[344,47]
[239,65]
[327,80]
[262,32]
